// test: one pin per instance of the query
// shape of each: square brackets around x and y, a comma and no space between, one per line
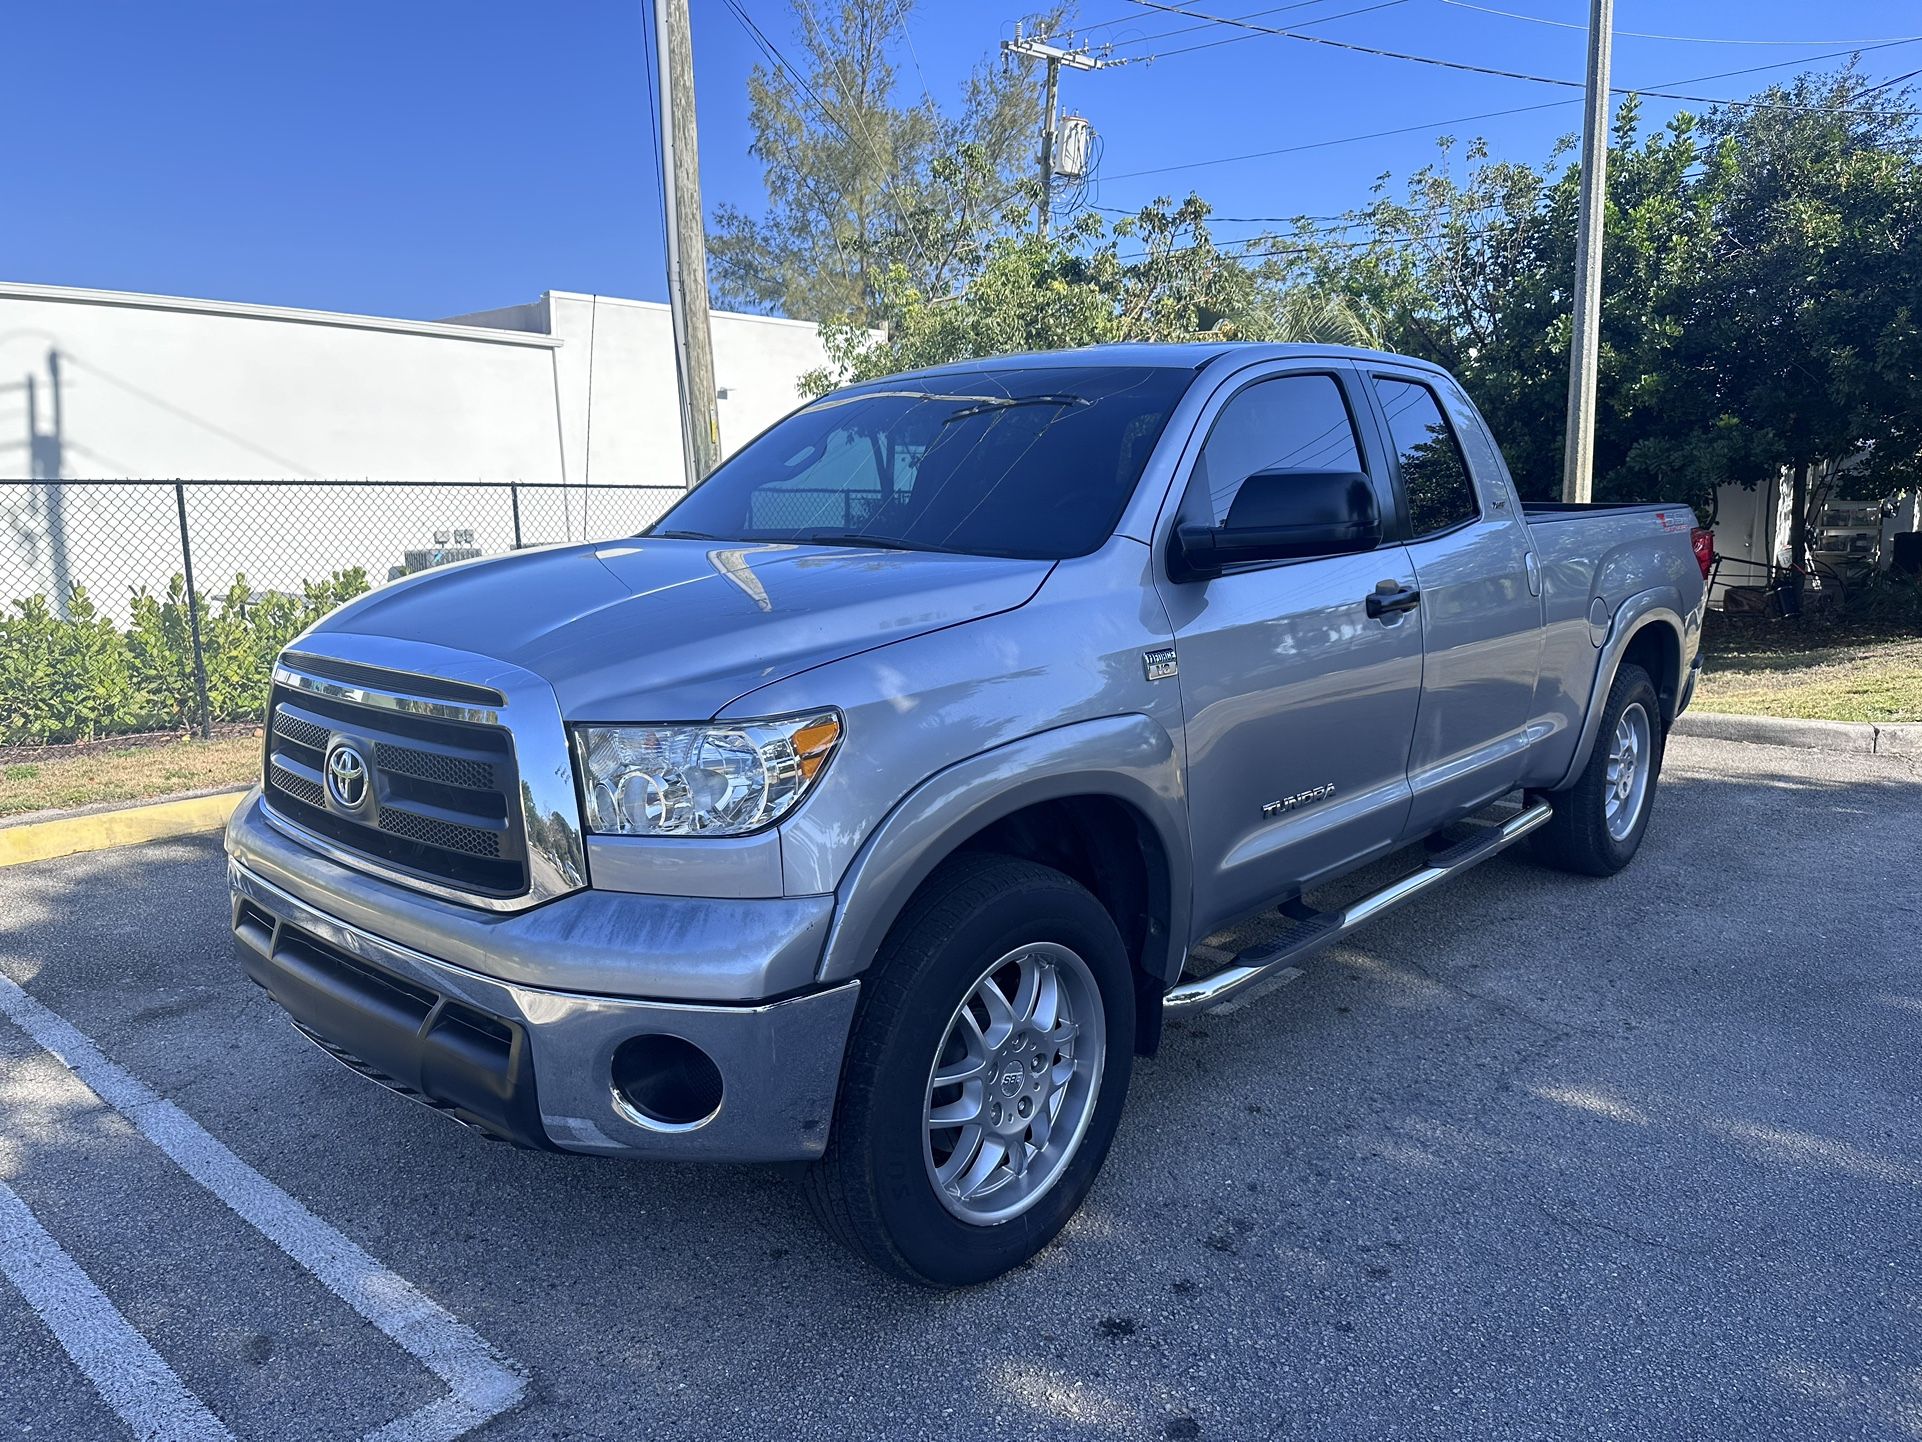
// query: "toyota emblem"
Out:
[346,775]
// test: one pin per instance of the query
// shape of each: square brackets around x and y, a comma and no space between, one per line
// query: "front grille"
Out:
[441,800]
[435,766]
[449,835]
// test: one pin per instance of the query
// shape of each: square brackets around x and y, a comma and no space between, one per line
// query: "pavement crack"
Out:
[1587,1226]
[1495,1004]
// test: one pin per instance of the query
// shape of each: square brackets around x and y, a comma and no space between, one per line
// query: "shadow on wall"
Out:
[37,524]
[39,528]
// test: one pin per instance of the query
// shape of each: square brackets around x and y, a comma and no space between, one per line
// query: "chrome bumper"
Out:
[533,1064]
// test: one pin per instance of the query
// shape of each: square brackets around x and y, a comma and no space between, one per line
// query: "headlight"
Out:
[721,779]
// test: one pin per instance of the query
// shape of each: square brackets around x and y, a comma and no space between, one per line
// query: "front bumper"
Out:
[533,1065]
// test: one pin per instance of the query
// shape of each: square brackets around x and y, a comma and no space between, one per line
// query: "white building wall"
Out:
[568,389]
[616,369]
[154,386]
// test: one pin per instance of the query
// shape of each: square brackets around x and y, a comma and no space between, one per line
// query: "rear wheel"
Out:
[985,1075]
[1599,821]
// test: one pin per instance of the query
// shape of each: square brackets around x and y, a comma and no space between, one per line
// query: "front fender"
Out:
[1128,758]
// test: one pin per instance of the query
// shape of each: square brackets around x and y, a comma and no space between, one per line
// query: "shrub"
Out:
[76,676]
[62,678]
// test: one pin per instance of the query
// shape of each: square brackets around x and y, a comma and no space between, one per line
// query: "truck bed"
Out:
[1562,510]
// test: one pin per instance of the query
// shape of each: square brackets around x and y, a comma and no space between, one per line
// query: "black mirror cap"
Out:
[1283,516]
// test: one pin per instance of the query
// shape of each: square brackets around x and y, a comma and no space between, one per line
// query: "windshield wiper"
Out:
[682,536]
[855,538]
[1002,403]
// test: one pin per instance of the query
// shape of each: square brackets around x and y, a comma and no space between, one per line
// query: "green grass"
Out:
[91,774]
[1796,671]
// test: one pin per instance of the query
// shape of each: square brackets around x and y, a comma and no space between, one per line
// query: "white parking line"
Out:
[481,1383]
[129,1375]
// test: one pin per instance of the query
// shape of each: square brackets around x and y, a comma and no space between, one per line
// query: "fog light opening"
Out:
[665,1083]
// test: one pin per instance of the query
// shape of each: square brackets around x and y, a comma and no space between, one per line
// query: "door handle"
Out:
[1382,603]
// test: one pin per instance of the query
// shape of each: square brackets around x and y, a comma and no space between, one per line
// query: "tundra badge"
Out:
[1299,799]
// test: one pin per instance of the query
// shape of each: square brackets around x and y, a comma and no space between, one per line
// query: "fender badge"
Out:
[1160,664]
[1299,799]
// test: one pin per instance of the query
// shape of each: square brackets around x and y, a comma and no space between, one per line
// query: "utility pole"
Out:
[1578,446]
[686,242]
[1056,57]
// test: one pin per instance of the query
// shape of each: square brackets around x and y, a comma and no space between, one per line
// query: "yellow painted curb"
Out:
[70,835]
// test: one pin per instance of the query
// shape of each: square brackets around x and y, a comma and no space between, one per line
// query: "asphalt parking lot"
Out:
[1535,1158]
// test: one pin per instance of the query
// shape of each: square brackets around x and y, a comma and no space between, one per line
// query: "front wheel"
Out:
[985,1075]
[1599,821]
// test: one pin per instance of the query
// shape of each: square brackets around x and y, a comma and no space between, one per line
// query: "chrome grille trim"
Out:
[388,700]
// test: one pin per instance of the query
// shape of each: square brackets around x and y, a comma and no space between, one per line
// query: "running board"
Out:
[1310,933]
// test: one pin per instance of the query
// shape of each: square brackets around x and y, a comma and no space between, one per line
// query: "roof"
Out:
[133,300]
[1182,355]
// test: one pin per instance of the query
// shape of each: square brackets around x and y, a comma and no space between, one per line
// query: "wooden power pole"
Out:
[1578,446]
[686,242]
[1056,57]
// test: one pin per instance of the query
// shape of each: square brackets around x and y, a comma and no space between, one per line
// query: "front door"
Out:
[1297,703]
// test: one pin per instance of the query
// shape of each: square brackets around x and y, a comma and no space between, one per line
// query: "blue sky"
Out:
[427,157]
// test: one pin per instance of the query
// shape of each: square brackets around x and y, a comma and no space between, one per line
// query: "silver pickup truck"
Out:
[870,809]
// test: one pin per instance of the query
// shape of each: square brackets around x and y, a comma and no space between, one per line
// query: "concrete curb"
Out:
[1862,737]
[128,826]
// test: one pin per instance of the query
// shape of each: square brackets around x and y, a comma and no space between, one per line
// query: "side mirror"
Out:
[1282,516]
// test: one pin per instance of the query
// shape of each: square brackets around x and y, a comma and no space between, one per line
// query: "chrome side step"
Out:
[1310,933]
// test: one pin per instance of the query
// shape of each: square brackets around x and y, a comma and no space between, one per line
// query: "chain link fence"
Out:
[149,605]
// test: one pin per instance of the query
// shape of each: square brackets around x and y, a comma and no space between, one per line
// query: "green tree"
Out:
[862,185]
[1762,279]
[1809,323]
[1156,275]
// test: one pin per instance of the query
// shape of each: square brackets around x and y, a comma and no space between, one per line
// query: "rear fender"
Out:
[1657,606]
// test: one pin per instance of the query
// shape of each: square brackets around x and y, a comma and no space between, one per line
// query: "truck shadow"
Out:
[1512,1152]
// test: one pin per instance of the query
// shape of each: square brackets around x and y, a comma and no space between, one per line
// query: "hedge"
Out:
[77,676]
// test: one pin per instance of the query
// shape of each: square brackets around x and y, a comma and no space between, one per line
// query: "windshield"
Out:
[1033,463]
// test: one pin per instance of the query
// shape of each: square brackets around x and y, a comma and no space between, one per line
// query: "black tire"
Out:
[872,1190]
[1577,837]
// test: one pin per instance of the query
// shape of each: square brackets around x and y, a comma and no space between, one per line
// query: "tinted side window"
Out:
[1296,423]
[1433,474]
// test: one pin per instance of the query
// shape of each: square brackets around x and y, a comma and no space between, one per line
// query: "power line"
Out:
[1426,125]
[1434,125]
[1237,39]
[1256,249]
[1680,39]
[1080,29]
[1347,220]
[1500,73]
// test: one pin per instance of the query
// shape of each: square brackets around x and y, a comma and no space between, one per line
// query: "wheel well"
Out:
[1111,849]
[1658,650]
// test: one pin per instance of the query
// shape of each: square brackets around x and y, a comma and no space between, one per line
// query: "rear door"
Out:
[1480,609]
[1298,704]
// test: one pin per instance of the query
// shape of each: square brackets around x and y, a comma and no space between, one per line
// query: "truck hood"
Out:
[671,630]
